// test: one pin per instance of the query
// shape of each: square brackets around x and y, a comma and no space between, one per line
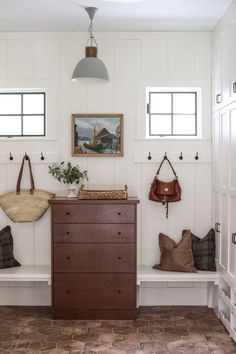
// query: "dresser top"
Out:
[65,200]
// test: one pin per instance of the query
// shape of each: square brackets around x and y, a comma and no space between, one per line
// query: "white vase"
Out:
[71,190]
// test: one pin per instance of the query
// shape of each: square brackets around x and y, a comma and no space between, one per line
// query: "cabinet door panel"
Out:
[74,233]
[232,56]
[216,147]
[225,65]
[224,149]
[216,68]
[216,219]
[232,163]
[224,232]
[93,213]
[94,258]
[100,291]
[232,246]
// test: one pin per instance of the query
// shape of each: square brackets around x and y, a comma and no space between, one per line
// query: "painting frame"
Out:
[97,135]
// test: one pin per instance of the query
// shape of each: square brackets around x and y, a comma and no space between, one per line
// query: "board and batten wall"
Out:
[134,60]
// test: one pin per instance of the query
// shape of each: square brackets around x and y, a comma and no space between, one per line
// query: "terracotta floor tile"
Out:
[110,338]
[124,330]
[159,330]
[42,346]
[72,346]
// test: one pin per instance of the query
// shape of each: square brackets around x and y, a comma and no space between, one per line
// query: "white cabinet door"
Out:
[232,240]
[216,222]
[232,148]
[225,69]
[224,148]
[233,60]
[216,148]
[232,191]
[216,179]
[224,190]
[216,69]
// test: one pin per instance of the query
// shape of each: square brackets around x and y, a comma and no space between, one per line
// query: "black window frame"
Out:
[172,114]
[22,115]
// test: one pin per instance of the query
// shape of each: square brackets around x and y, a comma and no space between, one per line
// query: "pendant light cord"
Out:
[91,37]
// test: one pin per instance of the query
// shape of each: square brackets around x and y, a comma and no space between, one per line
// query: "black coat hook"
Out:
[181,156]
[42,157]
[26,156]
[165,157]
[10,156]
[149,156]
[196,156]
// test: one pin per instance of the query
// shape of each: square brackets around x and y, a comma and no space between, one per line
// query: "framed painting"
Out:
[97,135]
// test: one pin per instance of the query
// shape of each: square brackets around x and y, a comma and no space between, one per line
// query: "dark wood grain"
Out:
[65,200]
[76,233]
[94,258]
[94,291]
[90,213]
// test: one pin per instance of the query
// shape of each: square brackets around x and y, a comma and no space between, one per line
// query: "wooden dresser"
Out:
[94,258]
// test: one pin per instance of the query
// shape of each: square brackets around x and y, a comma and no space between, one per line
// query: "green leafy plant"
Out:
[67,173]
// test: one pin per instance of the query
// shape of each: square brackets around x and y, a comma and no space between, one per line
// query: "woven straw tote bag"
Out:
[25,205]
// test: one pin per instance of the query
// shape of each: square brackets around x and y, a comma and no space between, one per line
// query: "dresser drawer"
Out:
[100,291]
[93,213]
[93,233]
[94,258]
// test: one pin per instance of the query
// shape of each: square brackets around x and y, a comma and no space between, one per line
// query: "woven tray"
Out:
[103,194]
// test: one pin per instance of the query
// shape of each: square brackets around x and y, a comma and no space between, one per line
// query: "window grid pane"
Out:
[160,124]
[24,123]
[182,104]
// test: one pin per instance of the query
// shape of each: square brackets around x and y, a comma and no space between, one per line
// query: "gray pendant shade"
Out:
[90,69]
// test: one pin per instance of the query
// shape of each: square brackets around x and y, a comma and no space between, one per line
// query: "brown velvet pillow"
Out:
[176,257]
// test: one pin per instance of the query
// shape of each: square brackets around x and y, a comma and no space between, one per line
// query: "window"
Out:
[22,114]
[172,113]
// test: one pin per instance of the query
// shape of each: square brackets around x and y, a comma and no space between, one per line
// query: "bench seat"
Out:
[27,273]
[145,273]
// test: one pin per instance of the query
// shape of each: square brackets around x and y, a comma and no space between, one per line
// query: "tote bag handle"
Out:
[21,173]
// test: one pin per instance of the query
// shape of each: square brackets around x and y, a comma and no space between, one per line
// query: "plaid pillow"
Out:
[204,251]
[7,259]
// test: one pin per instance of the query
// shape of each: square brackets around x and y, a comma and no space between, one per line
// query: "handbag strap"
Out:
[21,173]
[166,159]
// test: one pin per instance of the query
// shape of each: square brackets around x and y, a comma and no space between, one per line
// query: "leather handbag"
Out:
[165,192]
[25,205]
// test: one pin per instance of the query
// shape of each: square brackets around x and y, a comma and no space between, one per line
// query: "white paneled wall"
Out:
[134,60]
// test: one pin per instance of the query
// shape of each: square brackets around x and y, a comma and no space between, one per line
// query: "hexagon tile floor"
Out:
[160,330]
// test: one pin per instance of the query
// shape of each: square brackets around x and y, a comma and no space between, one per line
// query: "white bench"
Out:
[33,273]
[41,273]
[147,274]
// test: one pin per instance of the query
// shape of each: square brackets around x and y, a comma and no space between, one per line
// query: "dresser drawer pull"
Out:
[119,291]
[68,232]
[119,233]
[119,257]
[68,257]
[67,213]
[119,213]
[68,291]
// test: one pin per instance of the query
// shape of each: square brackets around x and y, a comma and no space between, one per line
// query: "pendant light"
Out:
[91,68]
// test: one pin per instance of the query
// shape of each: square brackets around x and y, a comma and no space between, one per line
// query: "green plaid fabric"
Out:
[204,251]
[7,259]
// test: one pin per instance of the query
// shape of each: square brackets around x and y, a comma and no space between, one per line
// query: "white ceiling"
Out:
[152,15]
